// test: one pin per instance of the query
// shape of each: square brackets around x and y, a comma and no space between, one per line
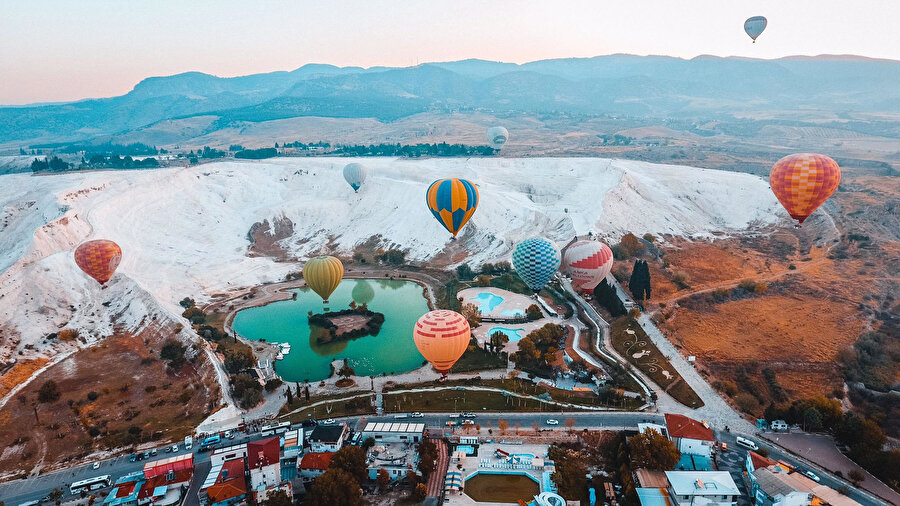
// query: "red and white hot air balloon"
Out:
[588,263]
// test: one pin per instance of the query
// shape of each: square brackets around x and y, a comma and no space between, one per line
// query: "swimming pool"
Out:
[513,334]
[468,449]
[512,312]
[487,301]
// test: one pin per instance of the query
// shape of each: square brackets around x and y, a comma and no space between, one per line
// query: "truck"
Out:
[188,442]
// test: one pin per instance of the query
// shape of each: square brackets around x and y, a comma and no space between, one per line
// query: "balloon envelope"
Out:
[98,259]
[452,202]
[323,274]
[362,293]
[441,337]
[588,262]
[497,136]
[754,26]
[802,182]
[355,174]
[536,261]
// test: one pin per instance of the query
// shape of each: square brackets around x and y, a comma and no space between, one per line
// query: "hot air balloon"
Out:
[802,182]
[362,293]
[98,259]
[355,174]
[323,274]
[441,337]
[452,202]
[588,262]
[497,136]
[754,26]
[536,261]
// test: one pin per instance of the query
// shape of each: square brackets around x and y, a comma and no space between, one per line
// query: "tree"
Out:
[628,247]
[472,314]
[351,459]
[48,392]
[498,341]
[651,450]
[464,272]
[335,486]
[639,284]
[427,457]
[368,443]
[533,312]
[346,371]
[273,384]
[383,479]
[277,498]
[812,419]
[570,422]
[503,425]
[187,303]
[412,479]
[55,494]
[570,477]
[420,492]
[856,476]
[289,395]
[173,352]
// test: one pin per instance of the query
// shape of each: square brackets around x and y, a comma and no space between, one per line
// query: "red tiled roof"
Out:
[263,453]
[316,461]
[684,427]
[160,480]
[759,461]
[163,466]
[230,482]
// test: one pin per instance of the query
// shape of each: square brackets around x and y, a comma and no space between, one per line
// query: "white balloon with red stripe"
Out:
[588,263]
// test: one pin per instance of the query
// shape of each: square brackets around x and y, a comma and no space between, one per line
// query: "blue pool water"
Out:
[470,450]
[514,335]
[487,301]
[512,312]
[523,456]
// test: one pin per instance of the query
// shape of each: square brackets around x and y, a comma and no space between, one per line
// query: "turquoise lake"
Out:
[392,351]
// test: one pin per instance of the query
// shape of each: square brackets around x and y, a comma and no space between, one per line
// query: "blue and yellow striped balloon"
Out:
[452,202]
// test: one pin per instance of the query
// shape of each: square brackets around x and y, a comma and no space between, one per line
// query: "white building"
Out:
[773,486]
[264,463]
[691,437]
[393,432]
[328,438]
[232,452]
[709,488]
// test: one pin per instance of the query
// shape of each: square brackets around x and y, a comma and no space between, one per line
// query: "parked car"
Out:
[400,416]
[97,466]
[746,443]
[168,449]
[153,451]
[174,448]
[811,475]
[417,415]
[454,415]
[552,421]
[469,415]
[229,434]
[330,421]
[146,455]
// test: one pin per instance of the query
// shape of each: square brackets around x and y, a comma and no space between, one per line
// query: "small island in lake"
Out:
[348,324]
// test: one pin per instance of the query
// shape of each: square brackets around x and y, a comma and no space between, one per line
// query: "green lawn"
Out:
[358,406]
[479,360]
[638,349]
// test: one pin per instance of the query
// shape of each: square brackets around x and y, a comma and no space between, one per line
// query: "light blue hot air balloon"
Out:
[355,174]
[497,136]
[536,261]
[754,26]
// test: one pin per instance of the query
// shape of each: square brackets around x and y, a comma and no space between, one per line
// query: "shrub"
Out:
[727,386]
[680,278]
[67,335]
[273,384]
[747,403]
[92,396]
[48,392]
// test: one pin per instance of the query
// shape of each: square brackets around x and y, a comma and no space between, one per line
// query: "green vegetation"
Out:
[651,450]
[874,359]
[325,322]
[629,246]
[335,486]
[538,350]
[340,407]
[476,358]
[413,151]
[49,392]
[54,164]
[247,390]
[122,162]
[653,363]
[615,139]
[173,353]
[639,284]
[605,295]
[256,154]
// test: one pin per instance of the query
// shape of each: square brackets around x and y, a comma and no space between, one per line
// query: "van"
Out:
[188,442]
[746,443]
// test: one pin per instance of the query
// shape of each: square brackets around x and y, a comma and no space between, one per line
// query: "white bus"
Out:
[275,428]
[90,484]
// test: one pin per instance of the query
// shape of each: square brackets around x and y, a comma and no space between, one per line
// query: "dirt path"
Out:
[436,480]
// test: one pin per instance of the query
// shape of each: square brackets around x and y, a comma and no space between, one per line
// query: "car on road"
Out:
[400,416]
[746,443]
[153,452]
[417,415]
[552,421]
[168,449]
[229,434]
[146,455]
[174,448]
[811,475]
[330,421]
[96,465]
[450,423]
[454,415]
[469,415]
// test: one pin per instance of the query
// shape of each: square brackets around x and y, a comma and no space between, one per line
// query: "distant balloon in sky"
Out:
[588,263]
[536,261]
[804,181]
[452,202]
[355,174]
[754,26]
[323,274]
[442,337]
[98,259]
[497,136]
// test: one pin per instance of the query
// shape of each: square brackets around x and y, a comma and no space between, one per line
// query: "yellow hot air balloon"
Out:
[441,337]
[323,274]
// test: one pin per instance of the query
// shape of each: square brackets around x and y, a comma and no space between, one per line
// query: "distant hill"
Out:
[656,86]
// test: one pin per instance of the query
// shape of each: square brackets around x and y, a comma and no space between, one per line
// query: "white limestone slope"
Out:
[183,231]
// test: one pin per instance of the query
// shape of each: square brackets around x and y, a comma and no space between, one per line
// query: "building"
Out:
[328,438]
[229,453]
[773,485]
[225,485]
[779,425]
[264,464]
[293,443]
[125,490]
[710,488]
[313,465]
[395,458]
[167,480]
[648,496]
[393,432]
[690,436]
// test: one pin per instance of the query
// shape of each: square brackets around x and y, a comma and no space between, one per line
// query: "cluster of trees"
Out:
[392,256]
[256,154]
[874,359]
[639,284]
[54,164]
[538,349]
[416,151]
[465,273]
[246,390]
[605,295]
[209,152]
[173,353]
[304,145]
[121,162]
[615,139]
[133,149]
[629,246]
[497,341]
[651,450]
[324,321]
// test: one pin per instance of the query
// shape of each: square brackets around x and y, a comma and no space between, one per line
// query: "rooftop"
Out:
[316,461]
[229,483]
[653,497]
[680,426]
[417,428]
[702,483]
[651,479]
[759,461]
[327,433]
[163,466]
[264,452]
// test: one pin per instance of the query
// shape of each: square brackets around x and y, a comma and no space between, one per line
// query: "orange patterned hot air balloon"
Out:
[803,182]
[98,259]
[441,337]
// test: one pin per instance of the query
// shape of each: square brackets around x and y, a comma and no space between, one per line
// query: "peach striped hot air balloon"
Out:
[98,259]
[441,337]
[588,262]
[804,181]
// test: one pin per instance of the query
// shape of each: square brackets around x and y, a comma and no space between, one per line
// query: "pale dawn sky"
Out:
[67,50]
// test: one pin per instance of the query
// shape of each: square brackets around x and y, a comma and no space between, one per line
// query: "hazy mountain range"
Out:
[653,86]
